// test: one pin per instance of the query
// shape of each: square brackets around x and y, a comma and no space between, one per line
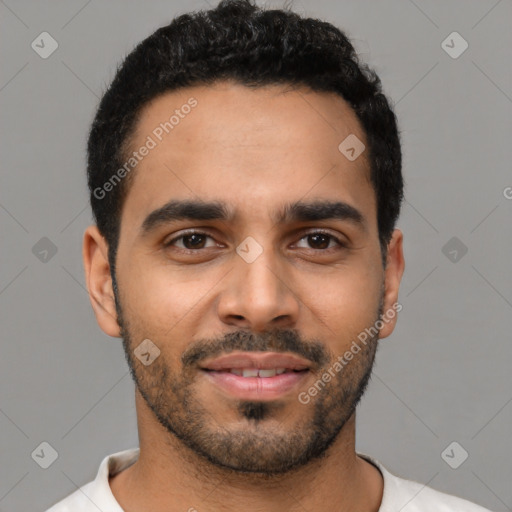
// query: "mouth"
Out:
[263,373]
[256,376]
[247,361]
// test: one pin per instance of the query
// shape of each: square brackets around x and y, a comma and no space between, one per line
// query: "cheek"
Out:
[161,310]
[161,298]
[343,304]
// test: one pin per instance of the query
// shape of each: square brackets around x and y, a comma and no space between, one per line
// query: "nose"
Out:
[258,295]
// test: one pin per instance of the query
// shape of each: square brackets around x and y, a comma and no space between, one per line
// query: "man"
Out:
[245,178]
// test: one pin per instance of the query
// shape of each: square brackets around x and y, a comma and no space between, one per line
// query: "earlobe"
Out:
[393,275]
[99,281]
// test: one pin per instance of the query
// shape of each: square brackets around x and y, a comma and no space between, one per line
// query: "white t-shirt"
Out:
[399,495]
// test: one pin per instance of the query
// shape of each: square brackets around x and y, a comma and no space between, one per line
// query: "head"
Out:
[231,215]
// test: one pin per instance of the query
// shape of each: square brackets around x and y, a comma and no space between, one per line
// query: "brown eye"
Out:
[190,241]
[194,241]
[321,241]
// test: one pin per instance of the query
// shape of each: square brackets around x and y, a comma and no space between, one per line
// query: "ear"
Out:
[99,281]
[393,275]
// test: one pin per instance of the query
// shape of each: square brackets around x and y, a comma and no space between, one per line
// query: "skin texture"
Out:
[255,150]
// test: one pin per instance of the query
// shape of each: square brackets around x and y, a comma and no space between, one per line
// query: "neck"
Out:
[168,476]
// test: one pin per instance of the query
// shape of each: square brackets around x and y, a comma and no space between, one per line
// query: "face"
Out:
[249,243]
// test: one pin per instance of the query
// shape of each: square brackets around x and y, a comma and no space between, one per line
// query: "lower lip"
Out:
[256,388]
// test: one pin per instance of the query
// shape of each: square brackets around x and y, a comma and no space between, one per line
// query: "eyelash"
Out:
[193,232]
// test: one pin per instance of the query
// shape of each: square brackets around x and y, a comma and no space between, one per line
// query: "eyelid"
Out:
[315,231]
[187,232]
[303,234]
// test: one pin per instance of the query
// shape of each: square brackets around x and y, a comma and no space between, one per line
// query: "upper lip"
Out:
[265,360]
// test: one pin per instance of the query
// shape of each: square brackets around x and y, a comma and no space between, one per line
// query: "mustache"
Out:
[277,340]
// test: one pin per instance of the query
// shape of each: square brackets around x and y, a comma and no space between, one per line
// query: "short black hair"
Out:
[255,47]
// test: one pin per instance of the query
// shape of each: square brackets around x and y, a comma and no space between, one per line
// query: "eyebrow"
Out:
[299,211]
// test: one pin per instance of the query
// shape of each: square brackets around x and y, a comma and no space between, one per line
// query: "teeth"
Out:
[255,372]
[267,373]
[250,372]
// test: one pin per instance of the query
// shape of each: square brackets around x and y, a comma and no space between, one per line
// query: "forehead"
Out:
[257,149]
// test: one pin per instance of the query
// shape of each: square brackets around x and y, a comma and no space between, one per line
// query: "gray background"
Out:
[443,376]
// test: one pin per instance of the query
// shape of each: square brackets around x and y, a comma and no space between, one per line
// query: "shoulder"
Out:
[419,498]
[97,494]
[78,501]
[409,496]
